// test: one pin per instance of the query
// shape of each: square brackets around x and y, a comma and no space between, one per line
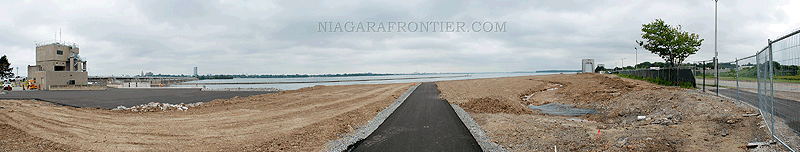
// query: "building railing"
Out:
[70,44]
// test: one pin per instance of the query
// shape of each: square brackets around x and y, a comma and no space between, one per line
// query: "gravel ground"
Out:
[486,143]
[308,119]
[295,120]
[363,131]
[13,139]
[674,119]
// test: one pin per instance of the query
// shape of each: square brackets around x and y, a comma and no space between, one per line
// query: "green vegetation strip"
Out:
[658,81]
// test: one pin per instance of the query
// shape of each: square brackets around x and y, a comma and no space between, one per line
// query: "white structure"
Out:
[588,65]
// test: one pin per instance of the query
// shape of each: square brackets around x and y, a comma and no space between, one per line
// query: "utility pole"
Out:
[623,63]
[716,54]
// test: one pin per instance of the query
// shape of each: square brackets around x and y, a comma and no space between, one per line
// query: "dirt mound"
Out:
[494,105]
[299,120]
[13,139]
[632,115]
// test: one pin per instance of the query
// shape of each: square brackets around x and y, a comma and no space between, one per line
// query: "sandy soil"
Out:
[676,119]
[295,120]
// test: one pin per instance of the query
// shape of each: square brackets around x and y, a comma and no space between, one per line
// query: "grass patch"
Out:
[658,81]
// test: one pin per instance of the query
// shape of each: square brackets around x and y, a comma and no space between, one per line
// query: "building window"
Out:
[71,82]
[59,68]
[59,52]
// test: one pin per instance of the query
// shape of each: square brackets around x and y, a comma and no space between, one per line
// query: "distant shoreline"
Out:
[288,82]
[232,76]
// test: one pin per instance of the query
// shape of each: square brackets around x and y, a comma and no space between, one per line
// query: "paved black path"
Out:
[112,97]
[422,123]
[788,110]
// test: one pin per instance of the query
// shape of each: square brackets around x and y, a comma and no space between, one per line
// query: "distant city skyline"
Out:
[281,37]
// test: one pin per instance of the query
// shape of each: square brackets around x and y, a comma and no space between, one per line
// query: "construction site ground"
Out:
[675,119]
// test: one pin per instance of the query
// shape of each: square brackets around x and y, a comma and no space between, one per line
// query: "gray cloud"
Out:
[279,37]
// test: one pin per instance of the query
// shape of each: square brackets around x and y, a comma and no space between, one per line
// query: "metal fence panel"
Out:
[782,88]
[773,75]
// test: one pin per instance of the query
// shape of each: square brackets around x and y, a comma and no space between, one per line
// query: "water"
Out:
[292,86]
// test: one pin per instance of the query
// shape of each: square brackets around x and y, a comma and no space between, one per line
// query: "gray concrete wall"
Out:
[48,78]
[78,87]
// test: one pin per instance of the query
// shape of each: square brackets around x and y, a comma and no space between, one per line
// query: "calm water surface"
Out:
[292,86]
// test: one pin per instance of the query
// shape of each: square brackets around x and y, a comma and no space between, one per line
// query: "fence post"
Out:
[771,88]
[704,76]
[738,96]
[758,82]
[716,62]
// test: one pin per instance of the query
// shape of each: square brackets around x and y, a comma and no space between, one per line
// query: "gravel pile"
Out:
[155,106]
[241,89]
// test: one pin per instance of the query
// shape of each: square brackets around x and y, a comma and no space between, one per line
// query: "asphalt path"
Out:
[778,86]
[788,110]
[422,123]
[114,97]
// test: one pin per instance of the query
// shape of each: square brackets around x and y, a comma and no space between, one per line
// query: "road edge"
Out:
[483,140]
[362,132]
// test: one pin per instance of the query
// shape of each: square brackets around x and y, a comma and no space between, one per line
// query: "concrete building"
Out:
[58,64]
[587,65]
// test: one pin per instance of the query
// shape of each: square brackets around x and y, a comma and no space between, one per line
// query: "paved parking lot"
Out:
[114,97]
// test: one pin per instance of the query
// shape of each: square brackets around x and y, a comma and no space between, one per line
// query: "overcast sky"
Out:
[282,37]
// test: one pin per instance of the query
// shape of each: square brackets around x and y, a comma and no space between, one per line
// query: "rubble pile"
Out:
[155,106]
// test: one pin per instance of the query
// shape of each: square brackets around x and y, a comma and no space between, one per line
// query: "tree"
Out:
[5,68]
[669,42]
[598,69]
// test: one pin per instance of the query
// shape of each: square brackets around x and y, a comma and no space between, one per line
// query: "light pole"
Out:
[623,64]
[716,54]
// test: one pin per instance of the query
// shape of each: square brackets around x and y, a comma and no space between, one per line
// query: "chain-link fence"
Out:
[769,80]
[678,75]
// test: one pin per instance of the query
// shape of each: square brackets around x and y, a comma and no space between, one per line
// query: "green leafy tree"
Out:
[598,69]
[669,42]
[5,68]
